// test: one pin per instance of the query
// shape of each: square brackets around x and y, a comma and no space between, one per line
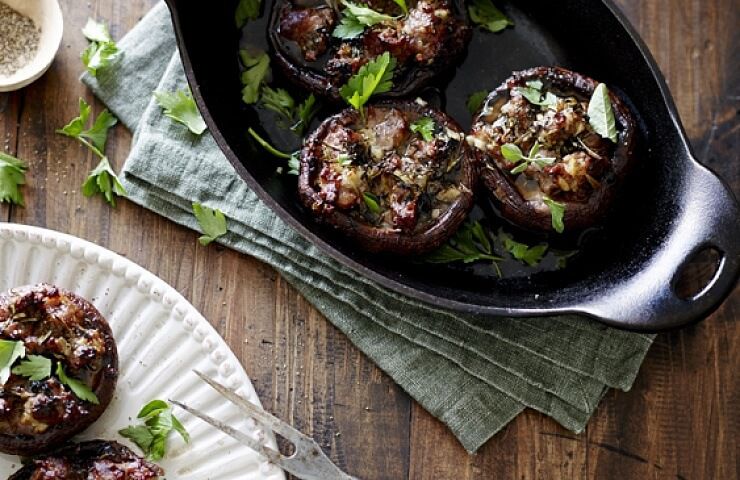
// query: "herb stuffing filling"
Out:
[398,170]
[544,140]
[338,41]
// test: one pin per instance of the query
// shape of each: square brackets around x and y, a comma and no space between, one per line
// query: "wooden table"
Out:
[679,421]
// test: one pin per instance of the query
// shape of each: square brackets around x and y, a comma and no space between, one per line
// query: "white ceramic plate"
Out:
[161,338]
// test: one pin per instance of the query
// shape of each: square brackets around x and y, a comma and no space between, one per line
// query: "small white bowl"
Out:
[47,15]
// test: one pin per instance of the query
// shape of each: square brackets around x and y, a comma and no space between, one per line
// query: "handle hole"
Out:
[285,446]
[697,273]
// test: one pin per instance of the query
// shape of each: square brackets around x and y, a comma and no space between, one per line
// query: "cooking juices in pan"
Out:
[573,178]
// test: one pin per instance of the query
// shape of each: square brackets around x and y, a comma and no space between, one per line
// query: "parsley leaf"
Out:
[101,51]
[424,126]
[374,77]
[355,17]
[306,111]
[485,14]
[470,244]
[372,202]
[557,211]
[257,68]
[475,101]
[151,437]
[533,93]
[279,101]
[180,107]
[513,153]
[102,179]
[601,114]
[12,174]
[522,252]
[79,388]
[246,10]
[94,137]
[10,351]
[35,367]
[211,221]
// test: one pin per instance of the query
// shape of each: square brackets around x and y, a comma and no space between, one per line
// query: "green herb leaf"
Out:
[536,84]
[35,367]
[355,17]
[102,49]
[12,175]
[601,114]
[522,252]
[180,107]
[512,152]
[79,388]
[475,101]
[246,10]
[257,68]
[102,179]
[96,32]
[485,14]
[10,351]
[212,222]
[402,4]
[140,435]
[424,126]
[469,244]
[94,137]
[306,111]
[278,101]
[151,437]
[294,164]
[557,211]
[374,77]
[535,96]
[372,202]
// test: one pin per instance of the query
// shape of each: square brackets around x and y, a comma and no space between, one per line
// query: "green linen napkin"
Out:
[473,374]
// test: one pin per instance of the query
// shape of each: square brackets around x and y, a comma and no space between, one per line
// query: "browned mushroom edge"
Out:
[585,179]
[36,415]
[424,188]
[91,460]
[426,42]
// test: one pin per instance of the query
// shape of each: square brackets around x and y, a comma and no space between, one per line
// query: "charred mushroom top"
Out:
[426,41]
[69,331]
[93,460]
[573,164]
[385,185]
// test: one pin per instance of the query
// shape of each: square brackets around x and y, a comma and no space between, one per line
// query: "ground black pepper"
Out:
[19,40]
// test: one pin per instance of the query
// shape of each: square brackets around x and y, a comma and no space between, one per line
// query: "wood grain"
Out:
[680,421]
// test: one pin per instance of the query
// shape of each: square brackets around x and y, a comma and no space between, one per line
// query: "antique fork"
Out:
[308,462]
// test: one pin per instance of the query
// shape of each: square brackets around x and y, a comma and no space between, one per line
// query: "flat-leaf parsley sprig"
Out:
[12,175]
[485,14]
[101,51]
[180,107]
[356,17]
[374,77]
[102,179]
[292,158]
[212,222]
[159,422]
[470,244]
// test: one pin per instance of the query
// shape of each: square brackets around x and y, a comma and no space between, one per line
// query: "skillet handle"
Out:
[709,218]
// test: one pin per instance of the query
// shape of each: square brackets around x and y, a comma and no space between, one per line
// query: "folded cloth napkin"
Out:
[473,374]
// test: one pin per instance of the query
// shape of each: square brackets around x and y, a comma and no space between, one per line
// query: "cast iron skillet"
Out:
[671,208]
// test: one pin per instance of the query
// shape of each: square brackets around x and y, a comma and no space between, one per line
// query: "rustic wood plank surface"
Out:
[679,421]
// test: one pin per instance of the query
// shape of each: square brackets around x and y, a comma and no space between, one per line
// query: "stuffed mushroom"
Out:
[397,178]
[60,371]
[92,460]
[540,150]
[319,49]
